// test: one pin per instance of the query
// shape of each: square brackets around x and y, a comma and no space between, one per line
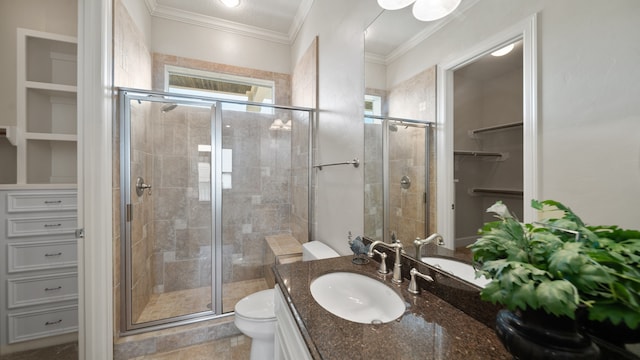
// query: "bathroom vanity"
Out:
[430,328]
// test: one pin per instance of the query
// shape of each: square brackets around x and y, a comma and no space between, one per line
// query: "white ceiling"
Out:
[275,20]
[388,37]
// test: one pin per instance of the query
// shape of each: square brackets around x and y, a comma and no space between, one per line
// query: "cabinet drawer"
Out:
[42,289]
[53,201]
[42,226]
[40,255]
[40,323]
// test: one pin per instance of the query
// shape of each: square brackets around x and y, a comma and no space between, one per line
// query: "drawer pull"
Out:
[52,202]
[52,254]
[53,322]
[52,289]
[52,225]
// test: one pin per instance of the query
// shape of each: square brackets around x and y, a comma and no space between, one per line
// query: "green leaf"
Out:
[567,260]
[616,313]
[558,297]
[590,277]
[525,297]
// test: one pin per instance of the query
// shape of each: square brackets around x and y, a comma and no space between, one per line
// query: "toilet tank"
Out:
[314,250]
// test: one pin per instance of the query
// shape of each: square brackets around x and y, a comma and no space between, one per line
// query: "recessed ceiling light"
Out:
[231,3]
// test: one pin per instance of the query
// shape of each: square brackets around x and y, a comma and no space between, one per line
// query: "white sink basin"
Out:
[458,269]
[357,298]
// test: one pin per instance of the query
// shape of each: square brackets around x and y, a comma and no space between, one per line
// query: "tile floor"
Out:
[234,348]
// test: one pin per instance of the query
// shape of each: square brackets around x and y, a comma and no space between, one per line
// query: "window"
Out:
[373,105]
[222,86]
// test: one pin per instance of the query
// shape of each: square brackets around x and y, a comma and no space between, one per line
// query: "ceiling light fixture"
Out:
[503,51]
[230,3]
[423,10]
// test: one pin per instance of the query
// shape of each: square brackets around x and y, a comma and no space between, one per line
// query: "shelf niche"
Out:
[47,108]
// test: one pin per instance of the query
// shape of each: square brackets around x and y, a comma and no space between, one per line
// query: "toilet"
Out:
[255,316]
[256,319]
[315,250]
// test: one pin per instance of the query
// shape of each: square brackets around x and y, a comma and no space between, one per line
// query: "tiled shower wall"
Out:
[132,68]
[142,227]
[407,206]
[258,203]
[304,92]
[373,183]
[182,217]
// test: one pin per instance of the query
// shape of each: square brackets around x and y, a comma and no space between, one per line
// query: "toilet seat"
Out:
[257,306]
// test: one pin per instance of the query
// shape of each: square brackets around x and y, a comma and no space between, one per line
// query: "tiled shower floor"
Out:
[176,303]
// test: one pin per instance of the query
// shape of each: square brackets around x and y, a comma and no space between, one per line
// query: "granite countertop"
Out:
[430,328]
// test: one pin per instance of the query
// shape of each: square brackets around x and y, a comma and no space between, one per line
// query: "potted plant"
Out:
[552,270]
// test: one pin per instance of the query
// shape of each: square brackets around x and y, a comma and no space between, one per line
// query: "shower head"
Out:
[168,107]
[393,127]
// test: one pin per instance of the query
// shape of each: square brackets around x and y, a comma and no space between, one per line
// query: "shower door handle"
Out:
[141,186]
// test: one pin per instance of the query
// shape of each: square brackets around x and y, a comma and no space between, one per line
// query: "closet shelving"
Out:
[46,108]
[495,191]
[474,132]
[477,153]
[481,191]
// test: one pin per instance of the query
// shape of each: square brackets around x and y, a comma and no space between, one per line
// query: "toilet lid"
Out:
[258,305]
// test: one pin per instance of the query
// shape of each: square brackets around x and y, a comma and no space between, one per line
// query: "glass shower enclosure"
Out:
[202,182]
[399,178]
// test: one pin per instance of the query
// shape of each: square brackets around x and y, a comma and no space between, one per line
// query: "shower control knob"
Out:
[405,182]
[141,187]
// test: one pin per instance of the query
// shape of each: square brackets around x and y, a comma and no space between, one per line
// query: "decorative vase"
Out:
[536,335]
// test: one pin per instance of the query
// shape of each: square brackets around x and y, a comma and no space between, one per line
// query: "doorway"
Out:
[452,155]
[487,121]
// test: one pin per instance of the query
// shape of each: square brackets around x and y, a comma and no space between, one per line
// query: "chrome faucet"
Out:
[419,243]
[397,273]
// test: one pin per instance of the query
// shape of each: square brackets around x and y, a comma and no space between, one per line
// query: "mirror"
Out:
[399,136]
[393,205]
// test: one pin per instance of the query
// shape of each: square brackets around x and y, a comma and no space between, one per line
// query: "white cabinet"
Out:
[39,277]
[289,344]
[46,108]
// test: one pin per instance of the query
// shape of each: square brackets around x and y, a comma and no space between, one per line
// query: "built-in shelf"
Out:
[496,191]
[8,132]
[494,128]
[52,137]
[51,87]
[46,105]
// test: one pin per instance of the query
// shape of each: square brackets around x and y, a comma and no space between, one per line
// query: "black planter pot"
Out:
[536,335]
[615,334]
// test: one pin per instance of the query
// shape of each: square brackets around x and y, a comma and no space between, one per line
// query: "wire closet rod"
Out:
[354,162]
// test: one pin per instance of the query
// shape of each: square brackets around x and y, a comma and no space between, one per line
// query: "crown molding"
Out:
[298,20]
[187,17]
[375,58]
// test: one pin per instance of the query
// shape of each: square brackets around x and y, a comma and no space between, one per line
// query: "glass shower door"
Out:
[169,208]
